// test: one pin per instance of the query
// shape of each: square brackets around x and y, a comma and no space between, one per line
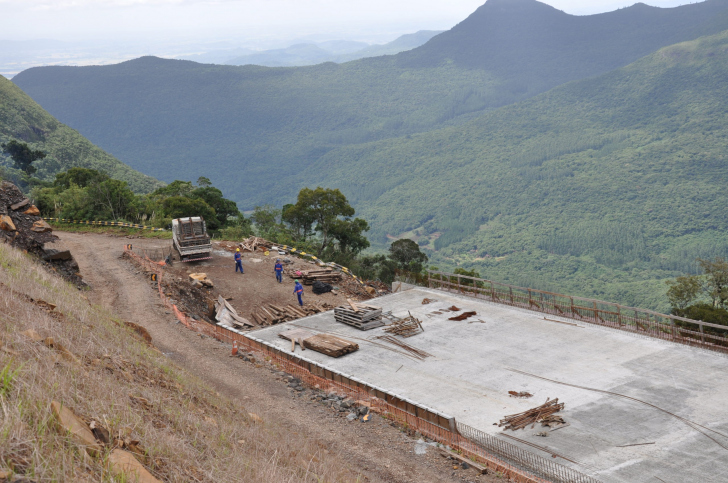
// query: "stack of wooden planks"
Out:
[271,314]
[361,316]
[324,275]
[330,345]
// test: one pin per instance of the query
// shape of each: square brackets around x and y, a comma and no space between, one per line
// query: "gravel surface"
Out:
[376,450]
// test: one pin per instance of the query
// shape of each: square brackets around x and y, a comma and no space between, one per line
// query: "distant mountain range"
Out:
[24,120]
[331,51]
[602,186]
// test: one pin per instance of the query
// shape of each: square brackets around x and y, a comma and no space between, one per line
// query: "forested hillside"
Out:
[24,120]
[250,128]
[600,187]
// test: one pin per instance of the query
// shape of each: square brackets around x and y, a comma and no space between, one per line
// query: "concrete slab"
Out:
[470,374]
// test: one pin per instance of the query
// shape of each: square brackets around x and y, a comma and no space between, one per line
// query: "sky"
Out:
[373,21]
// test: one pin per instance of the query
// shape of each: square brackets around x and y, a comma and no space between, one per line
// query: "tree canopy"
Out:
[23,156]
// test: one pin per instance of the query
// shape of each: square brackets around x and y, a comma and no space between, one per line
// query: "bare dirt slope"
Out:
[376,450]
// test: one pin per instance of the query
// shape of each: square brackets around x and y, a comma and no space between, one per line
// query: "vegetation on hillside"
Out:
[602,187]
[87,194]
[702,297]
[23,121]
[254,130]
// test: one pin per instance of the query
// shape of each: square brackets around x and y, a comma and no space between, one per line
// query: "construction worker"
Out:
[238,261]
[298,290]
[279,270]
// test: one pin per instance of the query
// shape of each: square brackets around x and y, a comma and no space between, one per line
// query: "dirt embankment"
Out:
[373,451]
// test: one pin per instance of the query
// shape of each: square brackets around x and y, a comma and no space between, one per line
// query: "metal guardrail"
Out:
[646,322]
[103,223]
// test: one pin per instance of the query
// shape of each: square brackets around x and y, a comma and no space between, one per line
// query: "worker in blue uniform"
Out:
[279,270]
[298,290]
[238,261]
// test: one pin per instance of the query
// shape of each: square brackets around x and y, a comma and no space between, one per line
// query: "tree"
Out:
[683,291]
[265,217]
[349,237]
[204,182]
[327,208]
[112,198]
[407,254]
[224,208]
[182,207]
[175,188]
[81,177]
[23,156]
[299,220]
[716,271]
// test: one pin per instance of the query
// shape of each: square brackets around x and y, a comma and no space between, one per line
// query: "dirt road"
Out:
[376,450]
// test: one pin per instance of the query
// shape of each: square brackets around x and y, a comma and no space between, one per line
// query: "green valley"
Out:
[23,119]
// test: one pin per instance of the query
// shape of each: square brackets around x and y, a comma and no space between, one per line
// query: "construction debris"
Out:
[251,244]
[532,416]
[330,345]
[406,327]
[202,279]
[520,395]
[463,316]
[426,301]
[361,316]
[453,309]
[227,315]
[275,314]
[418,353]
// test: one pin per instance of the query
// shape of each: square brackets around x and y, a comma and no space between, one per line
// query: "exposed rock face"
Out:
[22,227]
[26,231]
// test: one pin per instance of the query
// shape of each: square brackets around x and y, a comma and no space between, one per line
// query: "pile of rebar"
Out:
[417,353]
[406,327]
[532,416]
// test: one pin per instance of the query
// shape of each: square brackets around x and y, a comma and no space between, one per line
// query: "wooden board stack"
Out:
[275,314]
[324,275]
[330,345]
[361,316]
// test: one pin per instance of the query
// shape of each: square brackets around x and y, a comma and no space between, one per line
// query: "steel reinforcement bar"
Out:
[509,460]
[672,328]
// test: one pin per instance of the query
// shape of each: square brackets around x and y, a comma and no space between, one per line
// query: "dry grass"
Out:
[186,431]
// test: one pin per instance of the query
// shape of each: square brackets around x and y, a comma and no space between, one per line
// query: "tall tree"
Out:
[331,213]
[23,156]
[683,291]
[716,271]
[407,254]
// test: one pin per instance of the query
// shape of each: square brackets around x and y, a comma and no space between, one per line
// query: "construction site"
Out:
[537,386]
[530,385]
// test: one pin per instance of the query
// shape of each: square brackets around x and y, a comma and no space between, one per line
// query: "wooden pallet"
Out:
[363,317]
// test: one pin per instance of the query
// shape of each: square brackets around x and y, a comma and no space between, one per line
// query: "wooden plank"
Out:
[353,306]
